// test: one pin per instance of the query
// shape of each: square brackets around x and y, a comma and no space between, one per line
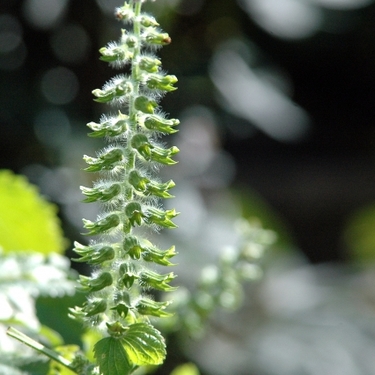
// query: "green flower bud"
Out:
[158,123]
[133,211]
[155,255]
[144,185]
[145,105]
[132,247]
[93,254]
[138,181]
[164,156]
[122,309]
[160,189]
[125,13]
[150,152]
[95,307]
[128,274]
[111,127]
[104,96]
[161,82]
[106,161]
[117,87]
[102,225]
[83,249]
[100,193]
[147,21]
[116,329]
[149,64]
[147,306]
[113,53]
[142,145]
[102,255]
[95,284]
[153,36]
[124,297]
[154,280]
[160,217]
[131,41]
[76,313]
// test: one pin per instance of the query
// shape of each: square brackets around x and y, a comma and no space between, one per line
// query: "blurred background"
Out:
[276,102]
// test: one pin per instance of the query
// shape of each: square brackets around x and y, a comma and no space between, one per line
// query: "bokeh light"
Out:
[44,14]
[249,95]
[70,43]
[59,85]
[295,19]
[52,127]
[285,18]
[12,48]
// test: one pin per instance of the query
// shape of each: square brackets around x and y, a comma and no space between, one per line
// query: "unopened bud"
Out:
[145,105]
[102,225]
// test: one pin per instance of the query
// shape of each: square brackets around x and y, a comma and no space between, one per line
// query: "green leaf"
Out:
[27,221]
[359,235]
[111,357]
[68,352]
[144,345]
[186,369]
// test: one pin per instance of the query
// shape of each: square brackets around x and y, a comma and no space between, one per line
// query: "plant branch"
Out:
[39,347]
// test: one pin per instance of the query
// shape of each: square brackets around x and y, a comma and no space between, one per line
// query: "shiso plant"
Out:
[119,303]
[121,309]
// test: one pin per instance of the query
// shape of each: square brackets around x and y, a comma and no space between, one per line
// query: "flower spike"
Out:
[129,194]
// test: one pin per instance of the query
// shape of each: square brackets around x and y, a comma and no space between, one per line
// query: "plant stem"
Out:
[39,347]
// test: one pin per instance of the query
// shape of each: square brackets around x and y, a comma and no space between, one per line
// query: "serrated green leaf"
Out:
[144,345]
[27,222]
[111,357]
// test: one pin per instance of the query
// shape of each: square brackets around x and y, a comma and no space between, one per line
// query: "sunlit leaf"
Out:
[89,338]
[27,221]
[144,345]
[359,235]
[68,352]
[111,357]
[186,369]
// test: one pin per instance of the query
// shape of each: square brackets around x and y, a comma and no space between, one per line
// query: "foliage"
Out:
[121,304]
[221,285]
[185,369]
[359,235]
[141,344]
[36,269]
[24,211]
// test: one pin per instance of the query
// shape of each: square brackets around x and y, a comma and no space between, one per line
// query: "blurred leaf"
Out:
[53,337]
[359,235]
[35,368]
[186,369]
[69,329]
[27,222]
[68,352]
[111,357]
[254,206]
[89,338]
